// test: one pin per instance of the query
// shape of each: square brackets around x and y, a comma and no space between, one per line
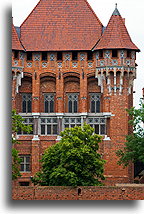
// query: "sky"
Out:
[131,10]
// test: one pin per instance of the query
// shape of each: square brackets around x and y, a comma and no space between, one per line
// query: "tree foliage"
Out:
[74,161]
[17,124]
[134,145]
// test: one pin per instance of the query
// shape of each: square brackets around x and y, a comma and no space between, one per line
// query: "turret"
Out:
[115,56]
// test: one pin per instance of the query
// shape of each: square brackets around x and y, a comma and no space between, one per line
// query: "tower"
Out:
[67,70]
[116,71]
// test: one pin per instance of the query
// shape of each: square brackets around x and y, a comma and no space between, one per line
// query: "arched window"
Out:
[27,103]
[72,103]
[95,103]
[49,103]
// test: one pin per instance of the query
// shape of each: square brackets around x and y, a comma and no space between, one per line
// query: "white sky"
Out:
[132,10]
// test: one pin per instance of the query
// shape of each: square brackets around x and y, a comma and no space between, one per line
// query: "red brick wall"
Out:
[123,192]
[38,80]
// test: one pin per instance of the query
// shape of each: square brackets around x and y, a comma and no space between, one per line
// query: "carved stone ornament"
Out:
[82,57]
[67,57]
[36,56]
[29,64]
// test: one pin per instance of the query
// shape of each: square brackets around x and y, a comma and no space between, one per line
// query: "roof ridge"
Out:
[30,13]
[16,42]
[93,12]
[55,31]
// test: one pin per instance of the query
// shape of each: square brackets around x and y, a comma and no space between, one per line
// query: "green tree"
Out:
[74,161]
[134,145]
[17,124]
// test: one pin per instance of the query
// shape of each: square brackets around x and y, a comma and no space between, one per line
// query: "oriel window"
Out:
[72,103]
[95,103]
[26,103]
[49,103]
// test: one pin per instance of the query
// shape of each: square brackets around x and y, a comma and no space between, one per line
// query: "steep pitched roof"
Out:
[116,35]
[61,25]
[16,45]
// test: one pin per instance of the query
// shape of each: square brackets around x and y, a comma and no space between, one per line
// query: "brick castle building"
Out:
[67,69]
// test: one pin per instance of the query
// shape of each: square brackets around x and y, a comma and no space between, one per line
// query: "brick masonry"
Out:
[107,74]
[38,80]
[122,192]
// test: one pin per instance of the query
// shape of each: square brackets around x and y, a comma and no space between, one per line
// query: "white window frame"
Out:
[25,163]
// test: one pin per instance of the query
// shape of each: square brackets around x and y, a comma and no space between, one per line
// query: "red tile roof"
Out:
[116,35]
[61,25]
[16,45]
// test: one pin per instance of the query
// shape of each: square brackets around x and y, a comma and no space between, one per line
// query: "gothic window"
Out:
[72,103]
[72,122]
[59,55]
[27,103]
[27,121]
[99,125]
[95,103]
[49,103]
[114,53]
[74,55]
[49,126]
[44,56]
[25,163]
[89,55]
[29,55]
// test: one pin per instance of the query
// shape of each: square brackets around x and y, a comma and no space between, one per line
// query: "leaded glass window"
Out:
[49,126]
[95,103]
[72,122]
[27,121]
[99,125]
[72,103]
[49,103]
[27,103]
